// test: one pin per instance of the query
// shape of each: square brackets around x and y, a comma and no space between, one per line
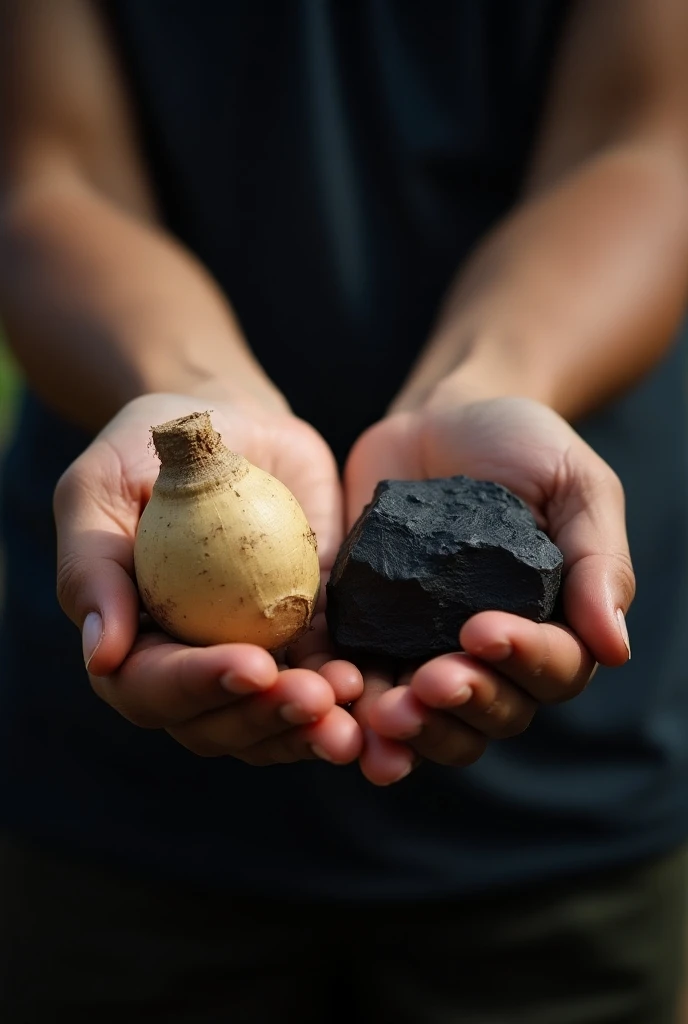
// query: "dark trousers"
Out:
[87,944]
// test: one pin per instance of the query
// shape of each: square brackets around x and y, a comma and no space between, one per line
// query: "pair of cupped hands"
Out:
[239,700]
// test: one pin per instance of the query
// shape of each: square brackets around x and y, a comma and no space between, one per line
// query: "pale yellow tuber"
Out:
[223,550]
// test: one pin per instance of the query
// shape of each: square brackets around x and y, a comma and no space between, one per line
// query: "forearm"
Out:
[101,307]
[575,295]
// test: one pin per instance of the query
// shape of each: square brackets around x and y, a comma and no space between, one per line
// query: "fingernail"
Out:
[91,636]
[236,684]
[296,715]
[319,752]
[498,651]
[623,629]
[407,771]
[462,696]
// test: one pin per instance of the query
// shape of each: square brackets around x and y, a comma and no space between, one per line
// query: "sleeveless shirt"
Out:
[332,164]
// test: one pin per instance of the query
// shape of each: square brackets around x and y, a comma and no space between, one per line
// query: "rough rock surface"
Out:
[426,555]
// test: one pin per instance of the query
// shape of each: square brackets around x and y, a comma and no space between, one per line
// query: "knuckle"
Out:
[626,577]
[70,580]
[613,483]
[499,716]
[64,489]
[624,566]
[452,743]
[70,487]
[516,723]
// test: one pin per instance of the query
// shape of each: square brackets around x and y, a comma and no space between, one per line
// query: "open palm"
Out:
[229,698]
[451,707]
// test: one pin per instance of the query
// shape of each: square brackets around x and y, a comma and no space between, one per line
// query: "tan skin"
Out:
[569,301]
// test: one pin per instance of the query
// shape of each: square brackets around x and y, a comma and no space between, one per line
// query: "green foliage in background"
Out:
[9,386]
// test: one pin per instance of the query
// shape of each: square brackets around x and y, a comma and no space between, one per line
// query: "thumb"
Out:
[588,526]
[598,590]
[95,560]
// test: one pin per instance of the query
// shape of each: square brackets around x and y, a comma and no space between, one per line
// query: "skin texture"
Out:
[450,707]
[226,699]
[76,207]
[568,302]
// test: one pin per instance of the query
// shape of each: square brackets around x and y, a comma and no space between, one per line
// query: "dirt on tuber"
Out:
[223,551]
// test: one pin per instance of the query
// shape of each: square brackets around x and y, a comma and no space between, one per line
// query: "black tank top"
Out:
[332,162]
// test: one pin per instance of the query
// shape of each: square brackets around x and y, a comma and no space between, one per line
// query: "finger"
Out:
[447,741]
[398,714]
[546,659]
[162,683]
[95,543]
[437,736]
[586,520]
[315,651]
[344,678]
[298,697]
[598,590]
[482,699]
[383,761]
[335,738]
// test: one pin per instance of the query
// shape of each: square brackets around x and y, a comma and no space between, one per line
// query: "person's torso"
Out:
[333,163]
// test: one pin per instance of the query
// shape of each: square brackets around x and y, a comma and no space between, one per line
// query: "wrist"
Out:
[220,372]
[490,365]
[250,392]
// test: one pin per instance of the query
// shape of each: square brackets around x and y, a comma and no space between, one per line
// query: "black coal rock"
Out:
[426,555]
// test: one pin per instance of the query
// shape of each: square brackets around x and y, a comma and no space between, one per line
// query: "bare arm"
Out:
[579,292]
[101,305]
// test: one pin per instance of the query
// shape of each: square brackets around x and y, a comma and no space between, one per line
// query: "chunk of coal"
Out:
[426,555]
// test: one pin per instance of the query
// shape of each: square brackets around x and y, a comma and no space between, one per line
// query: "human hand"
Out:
[230,698]
[448,709]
